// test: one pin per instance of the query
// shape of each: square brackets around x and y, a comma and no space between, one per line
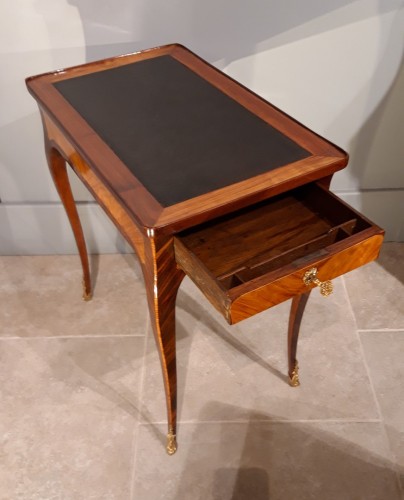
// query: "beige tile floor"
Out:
[82,407]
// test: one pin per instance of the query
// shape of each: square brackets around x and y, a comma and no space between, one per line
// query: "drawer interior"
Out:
[272,234]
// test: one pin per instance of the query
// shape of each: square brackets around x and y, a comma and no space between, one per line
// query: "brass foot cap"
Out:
[294,381]
[87,296]
[294,376]
[171,443]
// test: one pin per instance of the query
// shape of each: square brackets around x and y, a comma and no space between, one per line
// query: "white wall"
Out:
[336,66]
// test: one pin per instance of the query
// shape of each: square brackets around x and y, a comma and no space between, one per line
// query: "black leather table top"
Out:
[178,134]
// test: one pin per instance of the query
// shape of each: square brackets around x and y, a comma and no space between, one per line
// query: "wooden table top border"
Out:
[325,158]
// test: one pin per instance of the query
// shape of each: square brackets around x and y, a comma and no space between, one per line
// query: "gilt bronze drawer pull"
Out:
[310,277]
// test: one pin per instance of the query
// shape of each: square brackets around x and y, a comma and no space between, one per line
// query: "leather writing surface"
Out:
[178,134]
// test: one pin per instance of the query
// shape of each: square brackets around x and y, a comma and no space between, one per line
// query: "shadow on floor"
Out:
[264,460]
[391,258]
[192,307]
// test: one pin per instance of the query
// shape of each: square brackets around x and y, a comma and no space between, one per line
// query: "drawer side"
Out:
[202,278]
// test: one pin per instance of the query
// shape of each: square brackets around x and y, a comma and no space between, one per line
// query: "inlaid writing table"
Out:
[202,177]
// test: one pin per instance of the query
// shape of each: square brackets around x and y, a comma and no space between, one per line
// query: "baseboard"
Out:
[41,229]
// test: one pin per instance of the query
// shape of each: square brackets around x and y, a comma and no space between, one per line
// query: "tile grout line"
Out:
[136,431]
[382,423]
[393,457]
[56,337]
[362,350]
[380,330]
[270,421]
[376,401]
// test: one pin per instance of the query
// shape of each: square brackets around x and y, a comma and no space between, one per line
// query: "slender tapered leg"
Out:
[296,313]
[162,280]
[57,166]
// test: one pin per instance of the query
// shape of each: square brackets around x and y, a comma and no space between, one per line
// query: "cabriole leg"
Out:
[296,313]
[57,167]
[162,280]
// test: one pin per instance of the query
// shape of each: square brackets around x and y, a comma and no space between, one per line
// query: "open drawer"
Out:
[257,257]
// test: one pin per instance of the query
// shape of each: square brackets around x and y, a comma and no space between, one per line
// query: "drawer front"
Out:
[252,302]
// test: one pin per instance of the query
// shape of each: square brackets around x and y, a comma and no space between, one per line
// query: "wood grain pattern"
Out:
[297,308]
[247,303]
[202,277]
[227,200]
[57,167]
[162,280]
[257,257]
[252,236]
[106,199]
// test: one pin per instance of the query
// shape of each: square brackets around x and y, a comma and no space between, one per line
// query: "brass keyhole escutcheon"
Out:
[310,277]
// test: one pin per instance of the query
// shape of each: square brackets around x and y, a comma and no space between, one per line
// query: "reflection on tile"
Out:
[67,417]
[376,290]
[42,296]
[384,352]
[245,365]
[264,460]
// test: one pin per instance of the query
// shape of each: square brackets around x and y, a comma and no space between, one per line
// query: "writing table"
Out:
[205,178]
